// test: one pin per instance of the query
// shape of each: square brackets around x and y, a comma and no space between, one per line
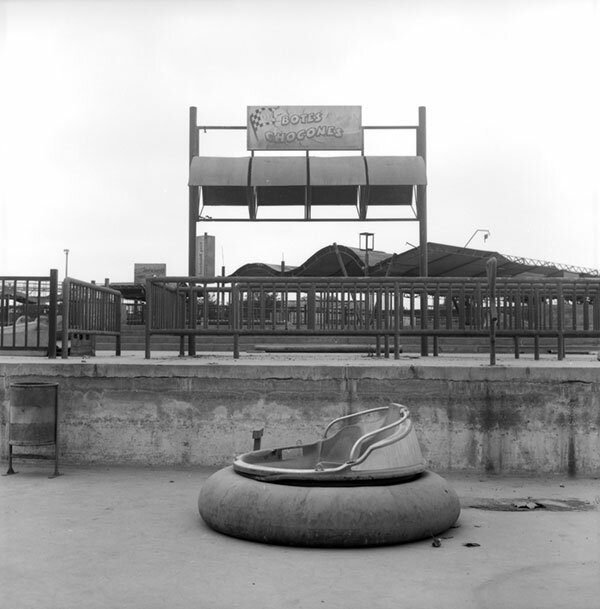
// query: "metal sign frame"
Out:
[421,190]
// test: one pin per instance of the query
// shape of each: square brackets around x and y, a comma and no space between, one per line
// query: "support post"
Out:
[52,312]
[149,317]
[65,318]
[422,215]
[194,210]
[490,269]
[194,194]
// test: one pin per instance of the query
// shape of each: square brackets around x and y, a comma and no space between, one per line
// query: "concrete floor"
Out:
[103,537]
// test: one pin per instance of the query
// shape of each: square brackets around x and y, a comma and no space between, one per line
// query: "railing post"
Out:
[397,311]
[423,304]
[436,321]
[179,316]
[312,306]
[118,306]
[52,312]
[192,320]
[560,310]
[490,269]
[65,317]
[149,315]
[235,294]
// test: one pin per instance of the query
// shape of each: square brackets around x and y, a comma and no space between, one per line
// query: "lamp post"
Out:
[486,235]
[66,262]
[366,244]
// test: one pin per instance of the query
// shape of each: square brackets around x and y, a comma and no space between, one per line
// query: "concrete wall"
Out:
[501,419]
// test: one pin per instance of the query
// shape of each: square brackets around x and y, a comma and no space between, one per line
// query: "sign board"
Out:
[143,271]
[304,128]
[205,256]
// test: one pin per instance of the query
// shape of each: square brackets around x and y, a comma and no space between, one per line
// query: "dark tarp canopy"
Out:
[444,261]
[357,181]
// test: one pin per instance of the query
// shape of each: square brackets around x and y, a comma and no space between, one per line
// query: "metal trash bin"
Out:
[33,420]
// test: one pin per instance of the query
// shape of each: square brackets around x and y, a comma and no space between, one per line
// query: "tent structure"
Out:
[444,261]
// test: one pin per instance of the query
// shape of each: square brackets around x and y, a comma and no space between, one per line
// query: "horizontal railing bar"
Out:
[204,219]
[80,330]
[390,126]
[310,280]
[21,278]
[94,286]
[455,281]
[213,127]
[240,127]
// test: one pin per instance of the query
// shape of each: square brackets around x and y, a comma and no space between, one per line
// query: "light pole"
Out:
[486,235]
[66,262]
[366,244]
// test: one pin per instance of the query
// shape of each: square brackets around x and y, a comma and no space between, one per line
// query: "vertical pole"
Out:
[194,194]
[193,318]
[422,194]
[490,268]
[149,316]
[65,318]
[560,311]
[52,313]
[235,318]
[422,215]
[194,210]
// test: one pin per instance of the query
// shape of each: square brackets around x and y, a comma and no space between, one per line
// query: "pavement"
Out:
[122,537]
[258,358]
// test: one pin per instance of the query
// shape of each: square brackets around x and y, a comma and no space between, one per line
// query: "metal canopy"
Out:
[278,171]
[279,181]
[224,180]
[219,171]
[356,181]
[392,178]
[323,171]
[445,261]
[337,171]
[396,171]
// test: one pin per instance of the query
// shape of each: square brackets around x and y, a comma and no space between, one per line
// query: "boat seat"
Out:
[335,451]
[393,414]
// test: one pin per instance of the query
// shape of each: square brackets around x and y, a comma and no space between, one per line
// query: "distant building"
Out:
[143,271]
[205,255]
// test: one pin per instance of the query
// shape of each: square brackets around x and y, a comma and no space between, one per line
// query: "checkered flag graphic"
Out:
[261,117]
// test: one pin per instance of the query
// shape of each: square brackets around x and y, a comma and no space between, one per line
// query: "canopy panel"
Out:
[273,181]
[396,171]
[219,171]
[278,171]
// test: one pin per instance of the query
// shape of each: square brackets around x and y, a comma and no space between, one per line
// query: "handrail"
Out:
[90,309]
[382,307]
[357,445]
[34,300]
[353,416]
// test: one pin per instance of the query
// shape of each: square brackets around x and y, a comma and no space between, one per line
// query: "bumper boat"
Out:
[364,483]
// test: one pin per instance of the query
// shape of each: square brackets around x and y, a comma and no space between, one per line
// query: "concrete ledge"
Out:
[519,416]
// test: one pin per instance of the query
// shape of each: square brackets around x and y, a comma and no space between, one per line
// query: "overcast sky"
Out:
[95,97]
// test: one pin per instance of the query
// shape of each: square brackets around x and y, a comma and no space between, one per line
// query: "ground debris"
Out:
[471,544]
[528,505]
[437,542]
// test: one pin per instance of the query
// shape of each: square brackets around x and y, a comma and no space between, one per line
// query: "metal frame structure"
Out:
[90,309]
[384,308]
[33,298]
[420,195]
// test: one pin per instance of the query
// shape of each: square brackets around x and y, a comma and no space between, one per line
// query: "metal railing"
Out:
[384,308]
[28,313]
[90,309]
